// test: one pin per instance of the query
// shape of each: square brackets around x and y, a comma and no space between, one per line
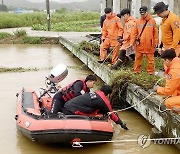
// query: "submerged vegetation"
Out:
[60,21]
[16,69]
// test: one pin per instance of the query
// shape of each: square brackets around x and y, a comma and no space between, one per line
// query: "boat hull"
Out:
[65,136]
[58,128]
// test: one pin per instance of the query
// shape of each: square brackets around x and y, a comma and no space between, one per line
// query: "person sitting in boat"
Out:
[92,103]
[172,87]
[72,90]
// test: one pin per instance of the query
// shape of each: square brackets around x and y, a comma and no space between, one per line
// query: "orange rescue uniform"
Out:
[172,87]
[129,24]
[112,29]
[148,41]
[170,27]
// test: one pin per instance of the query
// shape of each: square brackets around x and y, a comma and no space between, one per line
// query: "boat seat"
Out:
[27,100]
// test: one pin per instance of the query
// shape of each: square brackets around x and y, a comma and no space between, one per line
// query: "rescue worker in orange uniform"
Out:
[170,27]
[129,24]
[111,32]
[172,87]
[145,40]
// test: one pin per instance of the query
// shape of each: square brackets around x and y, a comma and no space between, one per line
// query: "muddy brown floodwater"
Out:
[44,57]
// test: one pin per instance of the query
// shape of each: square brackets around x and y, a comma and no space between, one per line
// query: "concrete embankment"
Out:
[167,123]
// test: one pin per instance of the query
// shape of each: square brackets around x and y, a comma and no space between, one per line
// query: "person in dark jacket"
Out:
[74,89]
[102,18]
[92,103]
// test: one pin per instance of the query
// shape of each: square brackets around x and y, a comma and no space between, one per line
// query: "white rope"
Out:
[159,80]
[78,144]
[161,103]
[130,106]
[163,99]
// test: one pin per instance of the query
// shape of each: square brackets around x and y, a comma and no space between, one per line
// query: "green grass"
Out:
[143,79]
[20,32]
[67,21]
[4,35]
[78,26]
[11,20]
[32,40]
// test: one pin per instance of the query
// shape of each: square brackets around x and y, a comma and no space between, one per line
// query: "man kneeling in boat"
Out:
[172,87]
[74,89]
[92,103]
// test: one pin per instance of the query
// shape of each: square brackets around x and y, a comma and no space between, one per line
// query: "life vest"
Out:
[68,93]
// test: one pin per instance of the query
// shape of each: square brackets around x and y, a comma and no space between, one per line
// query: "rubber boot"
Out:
[95,52]
[126,61]
[118,63]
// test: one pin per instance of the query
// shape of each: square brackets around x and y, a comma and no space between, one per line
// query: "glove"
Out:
[156,46]
[119,39]
[160,51]
[154,88]
[103,40]
[59,85]
[123,125]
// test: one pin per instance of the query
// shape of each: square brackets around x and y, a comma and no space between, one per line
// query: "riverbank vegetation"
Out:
[20,37]
[125,73]
[60,21]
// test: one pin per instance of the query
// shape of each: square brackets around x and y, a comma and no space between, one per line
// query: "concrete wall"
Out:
[118,5]
[103,6]
[136,4]
[174,5]
[123,4]
[166,122]
[109,3]
[177,7]
[170,3]
[146,3]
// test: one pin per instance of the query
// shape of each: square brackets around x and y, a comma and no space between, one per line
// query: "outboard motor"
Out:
[57,74]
